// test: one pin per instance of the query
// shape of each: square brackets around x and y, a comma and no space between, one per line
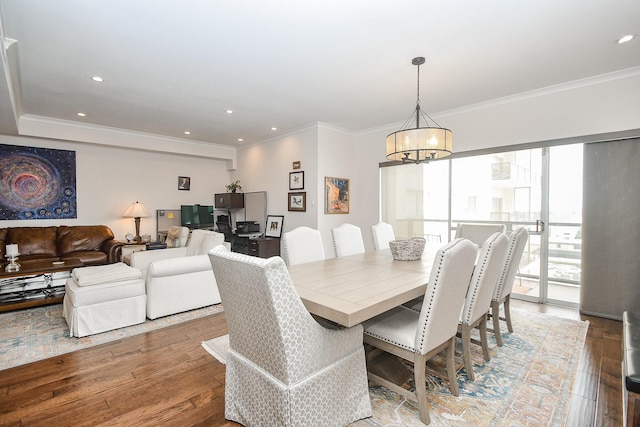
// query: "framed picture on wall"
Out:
[296,180]
[274,226]
[336,195]
[184,183]
[298,202]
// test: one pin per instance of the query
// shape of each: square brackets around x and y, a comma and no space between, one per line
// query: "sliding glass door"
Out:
[539,189]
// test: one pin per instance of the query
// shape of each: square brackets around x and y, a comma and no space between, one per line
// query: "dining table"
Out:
[351,289]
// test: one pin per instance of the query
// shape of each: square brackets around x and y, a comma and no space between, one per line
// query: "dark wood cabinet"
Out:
[264,247]
[229,201]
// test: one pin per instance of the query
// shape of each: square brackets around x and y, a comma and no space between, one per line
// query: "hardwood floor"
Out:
[164,377]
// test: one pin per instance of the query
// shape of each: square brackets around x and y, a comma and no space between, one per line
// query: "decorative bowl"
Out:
[407,249]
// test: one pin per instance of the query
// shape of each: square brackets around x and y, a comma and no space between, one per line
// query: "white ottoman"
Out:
[102,298]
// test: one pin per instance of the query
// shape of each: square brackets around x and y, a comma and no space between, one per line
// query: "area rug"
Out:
[41,332]
[528,381]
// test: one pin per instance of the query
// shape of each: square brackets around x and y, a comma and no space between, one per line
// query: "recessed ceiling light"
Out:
[274,128]
[81,114]
[229,111]
[97,79]
[625,39]
[186,132]
[240,140]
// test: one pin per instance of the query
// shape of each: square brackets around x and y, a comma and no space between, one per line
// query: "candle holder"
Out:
[12,265]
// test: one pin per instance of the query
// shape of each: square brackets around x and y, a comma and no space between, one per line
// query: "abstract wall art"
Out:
[37,183]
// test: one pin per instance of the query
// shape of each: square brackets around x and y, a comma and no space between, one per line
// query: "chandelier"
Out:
[418,144]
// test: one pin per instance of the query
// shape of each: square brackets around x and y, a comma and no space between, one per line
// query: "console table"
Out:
[38,282]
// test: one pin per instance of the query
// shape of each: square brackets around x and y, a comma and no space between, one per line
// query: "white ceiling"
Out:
[172,66]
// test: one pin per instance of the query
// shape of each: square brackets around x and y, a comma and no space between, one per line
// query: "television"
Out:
[205,216]
[196,216]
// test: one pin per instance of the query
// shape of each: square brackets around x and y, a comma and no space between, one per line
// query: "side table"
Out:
[131,247]
[264,247]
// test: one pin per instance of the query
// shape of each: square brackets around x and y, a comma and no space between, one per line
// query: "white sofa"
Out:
[179,279]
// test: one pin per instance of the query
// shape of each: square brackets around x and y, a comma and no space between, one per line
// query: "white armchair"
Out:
[179,279]
[177,236]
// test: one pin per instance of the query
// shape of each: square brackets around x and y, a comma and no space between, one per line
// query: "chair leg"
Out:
[451,366]
[420,372]
[482,326]
[507,313]
[466,351]
[495,315]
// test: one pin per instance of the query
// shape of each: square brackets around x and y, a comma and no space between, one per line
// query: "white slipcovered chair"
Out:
[502,292]
[301,245]
[478,300]
[283,367]
[419,336]
[382,233]
[177,236]
[347,240]
[179,279]
[478,233]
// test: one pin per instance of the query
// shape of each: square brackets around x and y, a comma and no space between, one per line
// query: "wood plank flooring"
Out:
[164,377]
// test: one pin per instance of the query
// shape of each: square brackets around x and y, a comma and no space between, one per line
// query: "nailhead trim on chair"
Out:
[443,250]
[482,265]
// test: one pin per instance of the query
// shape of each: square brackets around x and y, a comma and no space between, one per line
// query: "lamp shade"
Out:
[419,144]
[136,210]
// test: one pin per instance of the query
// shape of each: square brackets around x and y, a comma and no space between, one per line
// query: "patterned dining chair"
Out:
[478,300]
[418,336]
[347,240]
[478,233]
[302,245]
[284,368]
[502,294]
[382,233]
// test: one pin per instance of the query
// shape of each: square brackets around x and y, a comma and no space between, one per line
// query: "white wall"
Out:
[266,167]
[109,179]
[337,158]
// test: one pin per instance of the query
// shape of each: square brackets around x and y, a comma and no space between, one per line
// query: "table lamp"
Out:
[136,211]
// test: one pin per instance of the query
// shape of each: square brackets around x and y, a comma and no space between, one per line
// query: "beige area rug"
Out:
[528,381]
[41,332]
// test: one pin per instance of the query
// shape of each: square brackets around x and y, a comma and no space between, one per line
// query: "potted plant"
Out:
[234,186]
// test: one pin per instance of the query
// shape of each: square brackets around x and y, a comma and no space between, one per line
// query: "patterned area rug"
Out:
[527,382]
[41,332]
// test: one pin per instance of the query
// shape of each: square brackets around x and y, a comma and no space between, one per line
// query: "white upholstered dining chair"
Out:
[302,245]
[502,292]
[478,300]
[347,240]
[382,233]
[284,368]
[478,233]
[419,336]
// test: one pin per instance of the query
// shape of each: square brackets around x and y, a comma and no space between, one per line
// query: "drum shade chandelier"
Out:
[419,144]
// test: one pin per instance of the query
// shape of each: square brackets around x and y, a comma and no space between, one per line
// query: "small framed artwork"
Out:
[298,202]
[296,165]
[296,180]
[274,226]
[336,195]
[184,183]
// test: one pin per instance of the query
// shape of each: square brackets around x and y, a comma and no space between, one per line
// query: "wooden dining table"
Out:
[351,289]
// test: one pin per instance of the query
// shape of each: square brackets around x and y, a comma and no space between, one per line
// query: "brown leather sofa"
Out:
[91,244]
